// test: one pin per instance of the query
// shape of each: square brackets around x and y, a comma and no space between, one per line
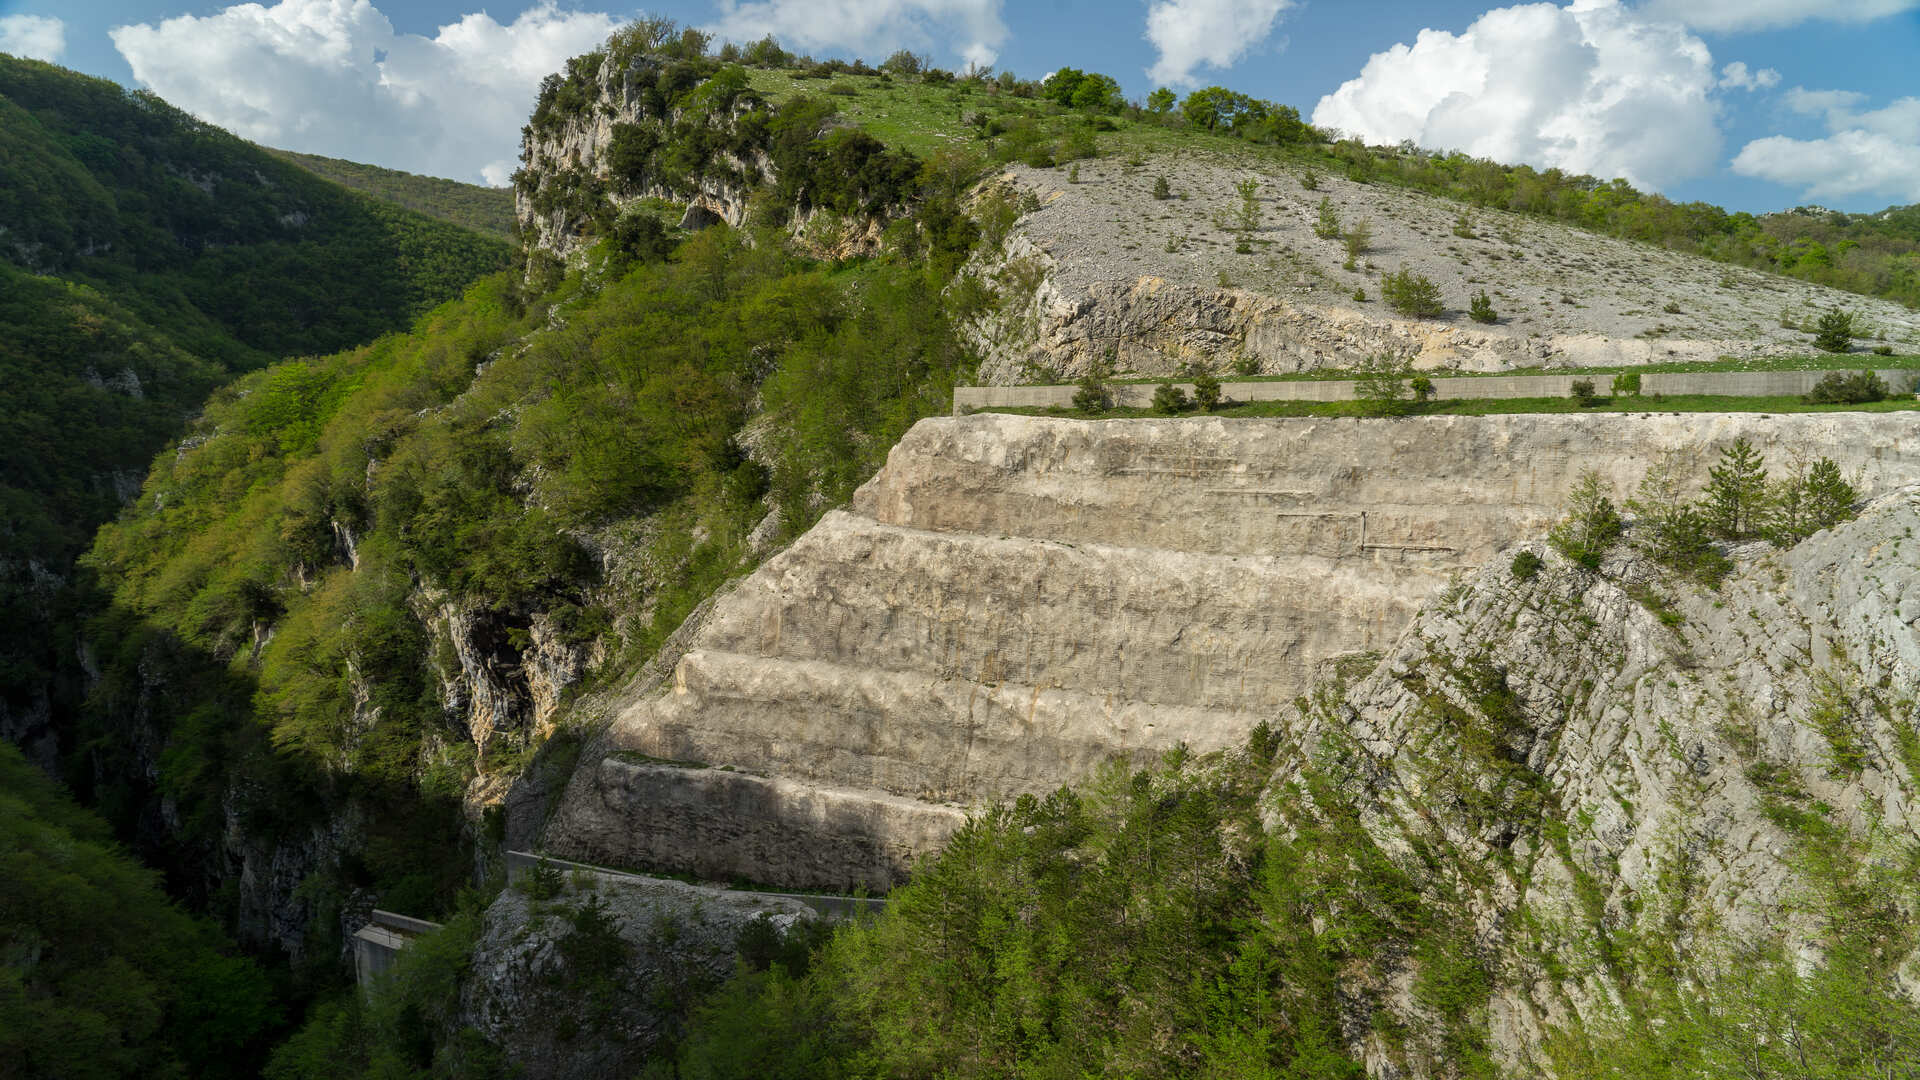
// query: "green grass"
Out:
[1819,362]
[1691,403]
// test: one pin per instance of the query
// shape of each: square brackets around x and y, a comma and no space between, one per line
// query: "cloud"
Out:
[1217,33]
[332,77]
[1735,76]
[969,29]
[1590,88]
[1734,15]
[1876,152]
[36,37]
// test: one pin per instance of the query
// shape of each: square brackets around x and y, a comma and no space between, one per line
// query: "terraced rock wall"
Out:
[1013,601]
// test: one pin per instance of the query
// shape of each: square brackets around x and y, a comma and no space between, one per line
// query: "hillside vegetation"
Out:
[146,257]
[350,625]
[1011,119]
[103,975]
[484,210]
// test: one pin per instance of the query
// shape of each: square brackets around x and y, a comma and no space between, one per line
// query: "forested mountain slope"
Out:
[145,258]
[484,210]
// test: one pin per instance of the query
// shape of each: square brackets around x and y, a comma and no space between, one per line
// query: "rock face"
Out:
[1671,750]
[1104,271]
[574,996]
[1014,600]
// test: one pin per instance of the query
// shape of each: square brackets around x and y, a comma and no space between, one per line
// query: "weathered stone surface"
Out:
[1014,600]
[1101,269]
[1659,744]
[680,940]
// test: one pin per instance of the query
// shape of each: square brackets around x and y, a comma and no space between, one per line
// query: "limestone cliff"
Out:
[1603,768]
[1013,600]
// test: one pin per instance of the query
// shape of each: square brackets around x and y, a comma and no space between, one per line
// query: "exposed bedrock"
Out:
[1013,601]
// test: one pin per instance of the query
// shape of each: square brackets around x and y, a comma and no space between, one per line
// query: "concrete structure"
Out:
[377,944]
[522,863]
[1140,395]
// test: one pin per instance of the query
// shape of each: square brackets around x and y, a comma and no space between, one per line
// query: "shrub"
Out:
[1411,294]
[1526,565]
[1206,390]
[1834,331]
[1249,215]
[1812,498]
[1327,226]
[1592,523]
[1463,227]
[1381,385]
[1161,189]
[1073,173]
[1244,364]
[1848,388]
[1671,530]
[1359,238]
[1422,389]
[1582,391]
[1481,309]
[1169,399]
[1092,395]
[1310,180]
[1359,294]
[1628,383]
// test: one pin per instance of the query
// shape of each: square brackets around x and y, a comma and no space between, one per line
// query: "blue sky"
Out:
[1753,104]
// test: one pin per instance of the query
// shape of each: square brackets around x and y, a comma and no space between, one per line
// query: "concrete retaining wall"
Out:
[1140,395]
[520,863]
[376,944]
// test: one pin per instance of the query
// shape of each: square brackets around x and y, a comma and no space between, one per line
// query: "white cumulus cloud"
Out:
[1735,76]
[969,29]
[1870,153]
[36,37]
[333,77]
[1736,15]
[1189,33]
[1590,88]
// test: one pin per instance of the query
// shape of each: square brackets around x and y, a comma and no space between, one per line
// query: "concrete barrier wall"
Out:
[520,863]
[1140,395]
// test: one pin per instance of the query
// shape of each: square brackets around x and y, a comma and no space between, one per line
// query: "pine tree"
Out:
[1736,492]
[1830,498]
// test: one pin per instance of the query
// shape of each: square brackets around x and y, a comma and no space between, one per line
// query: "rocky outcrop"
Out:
[1579,761]
[1103,270]
[1014,600]
[587,982]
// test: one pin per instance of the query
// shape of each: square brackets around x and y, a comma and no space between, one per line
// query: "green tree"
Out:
[1669,528]
[1359,237]
[1161,101]
[1206,390]
[1812,497]
[1481,308]
[1591,524]
[1248,218]
[1834,332]
[1161,189]
[1736,493]
[1327,225]
[1169,399]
